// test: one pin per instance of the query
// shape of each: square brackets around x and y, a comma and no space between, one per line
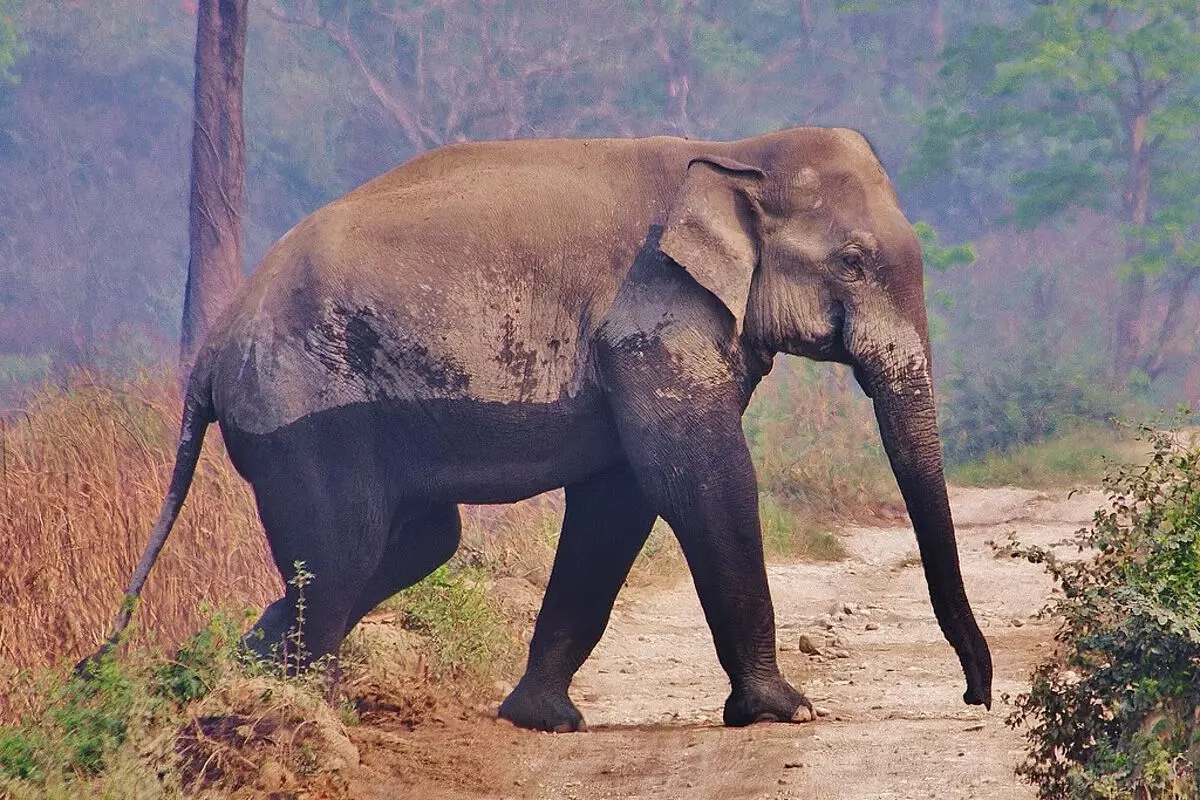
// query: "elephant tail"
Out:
[198,413]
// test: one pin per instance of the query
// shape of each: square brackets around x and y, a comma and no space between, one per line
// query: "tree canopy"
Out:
[1055,138]
[1083,104]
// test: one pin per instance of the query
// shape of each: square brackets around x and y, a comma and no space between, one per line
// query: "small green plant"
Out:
[786,534]
[451,608]
[293,652]
[1115,713]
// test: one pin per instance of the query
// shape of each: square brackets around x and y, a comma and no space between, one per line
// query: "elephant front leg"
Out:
[694,466]
[606,523]
[714,513]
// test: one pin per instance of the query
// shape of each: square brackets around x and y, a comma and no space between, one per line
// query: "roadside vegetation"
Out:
[1115,712]
[83,471]
[1072,459]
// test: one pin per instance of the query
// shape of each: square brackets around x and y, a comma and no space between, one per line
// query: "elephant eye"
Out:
[853,262]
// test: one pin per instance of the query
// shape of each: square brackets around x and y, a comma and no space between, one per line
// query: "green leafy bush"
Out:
[1115,713]
[84,724]
[466,632]
[1019,401]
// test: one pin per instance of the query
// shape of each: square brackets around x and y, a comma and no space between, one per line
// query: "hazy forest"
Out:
[1046,153]
[1056,140]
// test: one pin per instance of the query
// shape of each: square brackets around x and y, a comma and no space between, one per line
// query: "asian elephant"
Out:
[493,320]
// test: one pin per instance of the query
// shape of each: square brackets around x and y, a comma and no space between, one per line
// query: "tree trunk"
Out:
[1158,356]
[806,23]
[1135,208]
[218,170]
[937,27]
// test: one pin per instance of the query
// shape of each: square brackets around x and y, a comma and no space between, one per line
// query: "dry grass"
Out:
[816,445]
[517,540]
[83,472]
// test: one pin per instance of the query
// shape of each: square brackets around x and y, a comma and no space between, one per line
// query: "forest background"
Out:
[1054,143]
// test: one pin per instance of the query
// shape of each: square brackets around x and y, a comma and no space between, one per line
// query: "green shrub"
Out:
[1114,713]
[450,607]
[201,661]
[1016,401]
[84,723]
[81,730]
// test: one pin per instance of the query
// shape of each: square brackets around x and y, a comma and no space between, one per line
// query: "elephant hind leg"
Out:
[337,535]
[416,547]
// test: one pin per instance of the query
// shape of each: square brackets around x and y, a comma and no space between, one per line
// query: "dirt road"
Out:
[888,684]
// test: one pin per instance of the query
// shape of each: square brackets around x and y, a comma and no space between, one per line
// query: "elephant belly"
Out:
[439,450]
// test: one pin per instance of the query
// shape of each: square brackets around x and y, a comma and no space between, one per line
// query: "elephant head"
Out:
[801,238]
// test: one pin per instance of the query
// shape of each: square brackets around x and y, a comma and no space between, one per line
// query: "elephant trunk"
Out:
[898,380]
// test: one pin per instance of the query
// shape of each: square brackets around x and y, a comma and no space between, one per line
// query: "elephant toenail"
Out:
[804,713]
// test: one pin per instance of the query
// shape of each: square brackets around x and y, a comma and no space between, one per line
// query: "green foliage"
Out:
[201,661]
[1079,104]
[94,715]
[938,257]
[1115,712]
[86,720]
[1028,398]
[451,609]
[1044,107]
[11,47]
[1075,457]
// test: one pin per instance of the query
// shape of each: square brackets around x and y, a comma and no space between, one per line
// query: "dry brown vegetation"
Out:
[83,472]
[817,449]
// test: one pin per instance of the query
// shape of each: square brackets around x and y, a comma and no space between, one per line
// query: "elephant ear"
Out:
[710,229]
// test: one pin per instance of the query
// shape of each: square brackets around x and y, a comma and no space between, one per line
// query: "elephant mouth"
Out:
[830,345]
[863,378]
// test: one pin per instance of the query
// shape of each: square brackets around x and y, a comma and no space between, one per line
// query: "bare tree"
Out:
[448,70]
[218,196]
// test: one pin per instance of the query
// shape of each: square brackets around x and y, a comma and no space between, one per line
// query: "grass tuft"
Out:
[1076,458]
[465,631]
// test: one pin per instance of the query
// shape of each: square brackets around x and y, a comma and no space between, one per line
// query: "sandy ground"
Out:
[890,688]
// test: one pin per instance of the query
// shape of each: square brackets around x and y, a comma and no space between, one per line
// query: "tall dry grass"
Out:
[83,471]
[816,446]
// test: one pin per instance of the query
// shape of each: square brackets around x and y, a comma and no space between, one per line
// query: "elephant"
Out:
[493,320]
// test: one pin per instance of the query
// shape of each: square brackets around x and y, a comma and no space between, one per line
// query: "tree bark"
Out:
[1135,209]
[806,24]
[218,196]
[937,27]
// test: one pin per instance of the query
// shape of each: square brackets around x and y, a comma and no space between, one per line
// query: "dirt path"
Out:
[895,725]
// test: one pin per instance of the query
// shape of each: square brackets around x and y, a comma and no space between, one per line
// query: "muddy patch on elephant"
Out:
[888,687]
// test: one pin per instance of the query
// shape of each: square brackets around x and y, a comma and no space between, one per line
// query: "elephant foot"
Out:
[541,710]
[771,701]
